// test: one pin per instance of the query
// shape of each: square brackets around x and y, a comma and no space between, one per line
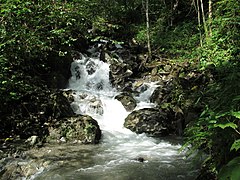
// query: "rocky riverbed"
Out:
[48,116]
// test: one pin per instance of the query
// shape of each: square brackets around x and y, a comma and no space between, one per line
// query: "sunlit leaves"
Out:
[236,114]
[230,125]
[235,145]
[29,32]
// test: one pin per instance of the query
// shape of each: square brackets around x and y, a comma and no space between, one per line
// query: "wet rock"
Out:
[127,101]
[157,96]
[87,103]
[32,140]
[167,68]
[140,159]
[123,63]
[91,67]
[153,122]
[11,172]
[58,106]
[69,94]
[95,106]
[138,84]
[57,80]
[120,70]
[154,71]
[22,169]
[140,89]
[82,129]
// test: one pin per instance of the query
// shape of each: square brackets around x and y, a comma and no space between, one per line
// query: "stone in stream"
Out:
[140,159]
[127,101]
[91,67]
[151,121]
[81,129]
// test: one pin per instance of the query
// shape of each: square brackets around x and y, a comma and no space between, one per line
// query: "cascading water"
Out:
[122,154]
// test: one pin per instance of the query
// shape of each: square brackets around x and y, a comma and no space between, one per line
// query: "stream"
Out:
[122,154]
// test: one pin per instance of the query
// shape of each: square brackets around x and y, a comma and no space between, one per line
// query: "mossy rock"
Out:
[82,129]
[151,121]
[127,101]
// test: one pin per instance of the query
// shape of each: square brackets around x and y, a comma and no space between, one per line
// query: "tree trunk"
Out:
[204,19]
[199,21]
[210,17]
[148,31]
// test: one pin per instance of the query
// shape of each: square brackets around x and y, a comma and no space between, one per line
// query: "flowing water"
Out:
[122,154]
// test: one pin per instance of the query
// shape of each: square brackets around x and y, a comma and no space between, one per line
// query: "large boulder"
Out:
[59,105]
[76,129]
[152,121]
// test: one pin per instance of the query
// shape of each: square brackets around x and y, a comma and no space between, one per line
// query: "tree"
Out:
[210,17]
[148,30]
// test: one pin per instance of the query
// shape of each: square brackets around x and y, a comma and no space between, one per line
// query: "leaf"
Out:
[4,82]
[235,145]
[231,170]
[13,94]
[222,115]
[223,126]
[236,114]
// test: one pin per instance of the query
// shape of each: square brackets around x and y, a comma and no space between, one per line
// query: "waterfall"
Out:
[94,94]
[95,97]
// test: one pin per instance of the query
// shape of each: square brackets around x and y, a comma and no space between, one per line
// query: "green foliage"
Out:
[235,145]
[231,170]
[29,28]
[12,85]
[176,41]
[141,36]
[223,44]
[29,32]
[217,129]
[215,134]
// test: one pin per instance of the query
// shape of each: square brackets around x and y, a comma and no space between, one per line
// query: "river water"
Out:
[121,154]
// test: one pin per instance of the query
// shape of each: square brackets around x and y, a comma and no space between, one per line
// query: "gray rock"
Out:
[83,129]
[127,101]
[153,122]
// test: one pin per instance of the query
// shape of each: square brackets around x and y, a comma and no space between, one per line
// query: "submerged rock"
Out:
[82,129]
[140,159]
[153,122]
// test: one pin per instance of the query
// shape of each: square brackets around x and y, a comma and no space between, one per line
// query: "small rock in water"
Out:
[91,67]
[140,159]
